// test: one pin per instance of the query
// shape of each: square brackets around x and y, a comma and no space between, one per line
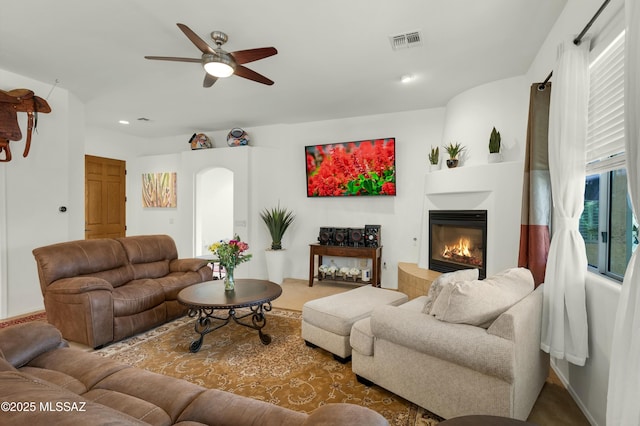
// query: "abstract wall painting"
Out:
[159,190]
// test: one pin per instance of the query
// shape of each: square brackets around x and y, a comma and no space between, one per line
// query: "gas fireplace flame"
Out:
[461,249]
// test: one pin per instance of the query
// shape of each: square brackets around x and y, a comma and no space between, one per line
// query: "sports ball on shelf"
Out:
[237,137]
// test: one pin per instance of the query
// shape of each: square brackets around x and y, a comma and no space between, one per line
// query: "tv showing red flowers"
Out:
[352,168]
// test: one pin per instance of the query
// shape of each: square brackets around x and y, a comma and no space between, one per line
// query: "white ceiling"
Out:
[334,56]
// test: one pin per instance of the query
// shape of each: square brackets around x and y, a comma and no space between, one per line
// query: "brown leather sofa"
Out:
[101,291]
[44,382]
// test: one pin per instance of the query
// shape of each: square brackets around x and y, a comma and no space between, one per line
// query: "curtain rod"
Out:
[578,39]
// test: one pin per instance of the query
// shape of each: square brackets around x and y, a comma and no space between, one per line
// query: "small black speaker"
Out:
[356,237]
[372,236]
[325,237]
[341,237]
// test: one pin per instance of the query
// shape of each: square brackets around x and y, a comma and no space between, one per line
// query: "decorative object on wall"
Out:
[351,168]
[454,150]
[12,102]
[434,158]
[494,147]
[237,137]
[159,190]
[200,141]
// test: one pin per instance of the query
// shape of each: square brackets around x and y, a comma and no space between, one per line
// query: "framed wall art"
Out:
[159,190]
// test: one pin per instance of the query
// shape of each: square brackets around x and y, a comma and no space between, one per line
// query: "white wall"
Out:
[400,216]
[496,188]
[272,171]
[471,116]
[476,185]
[32,189]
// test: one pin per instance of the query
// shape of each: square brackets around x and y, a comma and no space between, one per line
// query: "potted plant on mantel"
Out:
[494,147]
[454,150]
[434,158]
[278,221]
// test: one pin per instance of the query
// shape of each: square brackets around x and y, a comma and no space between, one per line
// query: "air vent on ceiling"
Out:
[144,119]
[406,40]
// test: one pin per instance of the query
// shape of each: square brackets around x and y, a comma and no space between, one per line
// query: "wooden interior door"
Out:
[104,197]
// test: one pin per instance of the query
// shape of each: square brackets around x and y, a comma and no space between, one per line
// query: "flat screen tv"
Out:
[360,168]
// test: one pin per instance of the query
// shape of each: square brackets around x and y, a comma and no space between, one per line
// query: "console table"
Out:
[373,253]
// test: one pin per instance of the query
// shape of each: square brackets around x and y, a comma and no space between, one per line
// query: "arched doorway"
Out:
[213,207]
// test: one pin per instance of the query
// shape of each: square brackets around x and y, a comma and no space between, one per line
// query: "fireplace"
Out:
[458,240]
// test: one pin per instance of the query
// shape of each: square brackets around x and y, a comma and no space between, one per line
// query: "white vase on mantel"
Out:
[494,157]
[275,265]
[434,167]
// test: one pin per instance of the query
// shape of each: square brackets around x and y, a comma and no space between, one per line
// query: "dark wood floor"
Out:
[555,406]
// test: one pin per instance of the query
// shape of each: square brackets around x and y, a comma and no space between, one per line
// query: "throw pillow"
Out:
[449,277]
[480,302]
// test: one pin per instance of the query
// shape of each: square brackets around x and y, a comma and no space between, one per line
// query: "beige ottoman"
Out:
[326,322]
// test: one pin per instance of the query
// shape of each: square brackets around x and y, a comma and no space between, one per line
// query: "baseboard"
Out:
[573,394]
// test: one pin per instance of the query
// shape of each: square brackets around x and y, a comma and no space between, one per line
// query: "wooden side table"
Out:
[373,253]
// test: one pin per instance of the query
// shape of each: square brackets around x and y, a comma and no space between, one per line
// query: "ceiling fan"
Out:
[218,63]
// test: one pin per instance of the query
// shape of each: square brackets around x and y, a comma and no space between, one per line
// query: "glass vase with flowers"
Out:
[230,253]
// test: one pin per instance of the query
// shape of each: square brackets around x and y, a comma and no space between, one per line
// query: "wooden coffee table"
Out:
[204,299]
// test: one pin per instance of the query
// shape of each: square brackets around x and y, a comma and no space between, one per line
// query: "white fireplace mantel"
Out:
[496,188]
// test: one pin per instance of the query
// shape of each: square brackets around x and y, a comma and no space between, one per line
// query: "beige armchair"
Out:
[454,369]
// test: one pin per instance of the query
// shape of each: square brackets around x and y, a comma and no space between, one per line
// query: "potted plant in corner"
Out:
[494,147]
[454,150]
[434,158]
[278,221]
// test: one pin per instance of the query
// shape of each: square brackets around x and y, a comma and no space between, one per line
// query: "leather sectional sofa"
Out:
[100,291]
[44,382]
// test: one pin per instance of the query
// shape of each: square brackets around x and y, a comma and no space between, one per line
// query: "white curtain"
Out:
[623,399]
[564,312]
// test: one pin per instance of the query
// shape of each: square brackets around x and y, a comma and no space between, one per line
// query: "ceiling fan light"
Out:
[220,65]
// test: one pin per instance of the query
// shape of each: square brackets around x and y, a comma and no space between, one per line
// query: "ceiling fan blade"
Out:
[250,55]
[171,58]
[209,80]
[200,43]
[242,71]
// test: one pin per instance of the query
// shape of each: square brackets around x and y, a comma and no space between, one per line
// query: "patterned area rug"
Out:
[38,316]
[285,372]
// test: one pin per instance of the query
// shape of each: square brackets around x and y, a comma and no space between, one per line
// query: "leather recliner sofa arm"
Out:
[23,342]
[77,285]
[187,265]
[344,414]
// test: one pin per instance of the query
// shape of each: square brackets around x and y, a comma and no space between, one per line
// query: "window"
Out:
[607,225]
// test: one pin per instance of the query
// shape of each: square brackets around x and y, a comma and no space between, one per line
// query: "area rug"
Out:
[285,372]
[37,316]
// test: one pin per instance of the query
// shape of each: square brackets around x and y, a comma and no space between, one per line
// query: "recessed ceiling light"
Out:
[408,78]
[123,122]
